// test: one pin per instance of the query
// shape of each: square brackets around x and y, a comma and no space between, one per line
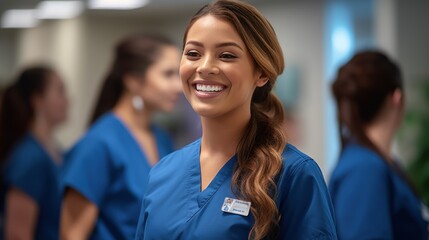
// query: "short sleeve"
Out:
[30,174]
[306,209]
[88,169]
[361,203]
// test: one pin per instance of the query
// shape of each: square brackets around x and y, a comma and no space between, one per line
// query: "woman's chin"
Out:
[206,111]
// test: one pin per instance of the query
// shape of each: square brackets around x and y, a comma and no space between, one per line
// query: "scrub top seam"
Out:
[297,167]
[189,181]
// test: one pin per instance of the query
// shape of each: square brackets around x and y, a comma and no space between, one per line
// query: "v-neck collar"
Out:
[217,181]
[134,140]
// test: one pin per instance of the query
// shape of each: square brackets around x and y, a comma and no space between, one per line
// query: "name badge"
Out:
[235,206]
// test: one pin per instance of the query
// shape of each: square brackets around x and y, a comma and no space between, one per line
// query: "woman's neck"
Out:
[43,132]
[382,135]
[136,120]
[222,135]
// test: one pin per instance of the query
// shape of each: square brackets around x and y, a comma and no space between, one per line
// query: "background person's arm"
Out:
[78,216]
[21,215]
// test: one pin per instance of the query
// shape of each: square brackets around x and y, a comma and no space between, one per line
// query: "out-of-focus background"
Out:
[317,36]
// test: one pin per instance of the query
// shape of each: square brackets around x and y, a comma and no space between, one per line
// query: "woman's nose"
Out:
[208,66]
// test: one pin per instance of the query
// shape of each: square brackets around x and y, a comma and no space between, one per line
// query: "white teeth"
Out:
[209,88]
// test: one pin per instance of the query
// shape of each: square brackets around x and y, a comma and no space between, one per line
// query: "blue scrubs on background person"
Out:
[175,208]
[107,171]
[33,106]
[372,201]
[31,169]
[372,195]
[109,168]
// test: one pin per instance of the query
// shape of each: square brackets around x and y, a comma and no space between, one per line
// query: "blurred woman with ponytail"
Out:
[107,170]
[372,196]
[32,107]
[241,180]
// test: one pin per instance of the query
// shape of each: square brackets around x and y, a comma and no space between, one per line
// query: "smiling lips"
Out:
[208,90]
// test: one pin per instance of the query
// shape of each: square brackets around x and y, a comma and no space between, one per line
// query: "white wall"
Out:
[299,26]
[413,38]
[7,55]
[403,33]
[412,51]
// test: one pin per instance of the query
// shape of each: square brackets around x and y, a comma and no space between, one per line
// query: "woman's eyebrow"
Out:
[227,44]
[224,44]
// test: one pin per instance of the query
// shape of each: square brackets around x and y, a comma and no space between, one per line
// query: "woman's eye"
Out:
[192,54]
[227,56]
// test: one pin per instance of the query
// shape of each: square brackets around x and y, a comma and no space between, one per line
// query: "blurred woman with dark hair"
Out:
[372,196]
[107,170]
[32,107]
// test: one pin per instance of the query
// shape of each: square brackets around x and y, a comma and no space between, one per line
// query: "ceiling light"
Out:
[59,9]
[117,4]
[19,18]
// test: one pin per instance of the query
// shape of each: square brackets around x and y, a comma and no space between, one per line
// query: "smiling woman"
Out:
[241,179]
[220,61]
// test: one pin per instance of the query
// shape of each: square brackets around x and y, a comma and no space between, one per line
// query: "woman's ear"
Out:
[397,98]
[262,79]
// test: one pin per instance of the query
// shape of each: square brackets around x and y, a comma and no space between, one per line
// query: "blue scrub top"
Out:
[109,168]
[175,208]
[32,170]
[372,201]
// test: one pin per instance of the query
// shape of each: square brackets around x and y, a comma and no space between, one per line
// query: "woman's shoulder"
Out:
[98,139]
[294,160]
[101,131]
[103,126]
[360,166]
[299,169]
[357,158]
[27,156]
[27,146]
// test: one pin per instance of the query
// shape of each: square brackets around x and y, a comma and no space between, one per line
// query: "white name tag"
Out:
[235,206]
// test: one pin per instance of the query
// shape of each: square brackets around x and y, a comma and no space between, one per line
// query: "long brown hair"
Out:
[260,149]
[360,89]
[17,112]
[133,55]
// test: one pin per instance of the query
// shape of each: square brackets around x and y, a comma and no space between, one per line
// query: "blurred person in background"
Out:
[32,107]
[241,180]
[107,170]
[372,196]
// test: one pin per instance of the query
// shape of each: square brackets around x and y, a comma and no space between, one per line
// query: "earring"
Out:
[138,103]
